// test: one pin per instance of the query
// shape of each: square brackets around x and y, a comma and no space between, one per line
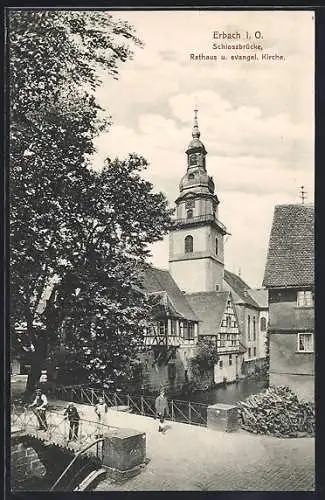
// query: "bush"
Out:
[278,412]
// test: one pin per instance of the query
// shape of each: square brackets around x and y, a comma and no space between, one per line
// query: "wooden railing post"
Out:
[128,400]
[172,405]
[92,396]
[115,400]
[141,404]
[189,412]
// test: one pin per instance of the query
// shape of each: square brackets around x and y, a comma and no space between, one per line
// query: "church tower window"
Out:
[189,244]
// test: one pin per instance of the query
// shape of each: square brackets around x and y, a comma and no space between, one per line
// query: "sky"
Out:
[256,118]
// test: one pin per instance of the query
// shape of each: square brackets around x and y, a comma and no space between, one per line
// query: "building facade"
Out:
[219,324]
[289,278]
[171,337]
[196,243]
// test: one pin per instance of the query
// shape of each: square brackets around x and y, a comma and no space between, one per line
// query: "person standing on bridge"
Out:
[40,405]
[161,406]
[71,413]
[101,412]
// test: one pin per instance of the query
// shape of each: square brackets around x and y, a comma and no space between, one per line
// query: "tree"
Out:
[107,245]
[205,358]
[54,61]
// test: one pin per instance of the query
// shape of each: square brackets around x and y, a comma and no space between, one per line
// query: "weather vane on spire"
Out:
[302,195]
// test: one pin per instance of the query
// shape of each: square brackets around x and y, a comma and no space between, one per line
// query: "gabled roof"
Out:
[209,307]
[158,280]
[260,296]
[239,289]
[290,258]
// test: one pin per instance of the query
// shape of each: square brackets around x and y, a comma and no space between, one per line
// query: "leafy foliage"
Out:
[73,229]
[205,358]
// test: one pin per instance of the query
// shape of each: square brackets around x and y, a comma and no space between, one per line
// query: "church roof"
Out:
[158,280]
[209,307]
[239,288]
[260,296]
[290,258]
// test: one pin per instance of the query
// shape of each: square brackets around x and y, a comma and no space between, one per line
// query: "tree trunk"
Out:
[33,377]
[38,359]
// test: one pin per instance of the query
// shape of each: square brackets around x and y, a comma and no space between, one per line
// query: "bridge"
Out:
[106,446]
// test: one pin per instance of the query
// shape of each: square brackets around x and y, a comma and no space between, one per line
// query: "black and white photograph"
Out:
[161,249]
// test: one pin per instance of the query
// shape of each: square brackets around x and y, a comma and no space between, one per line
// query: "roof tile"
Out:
[290,259]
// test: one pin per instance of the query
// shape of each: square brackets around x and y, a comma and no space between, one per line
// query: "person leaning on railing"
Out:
[40,405]
[71,413]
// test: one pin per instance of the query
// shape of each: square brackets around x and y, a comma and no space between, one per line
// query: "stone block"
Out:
[124,449]
[30,452]
[223,417]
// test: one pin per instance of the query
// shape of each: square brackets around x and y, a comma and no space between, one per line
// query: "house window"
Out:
[221,364]
[263,324]
[222,341]
[217,246]
[254,350]
[173,327]
[189,331]
[189,244]
[254,328]
[190,214]
[217,288]
[249,352]
[234,324]
[305,298]
[228,321]
[181,329]
[249,327]
[162,328]
[305,342]
[230,359]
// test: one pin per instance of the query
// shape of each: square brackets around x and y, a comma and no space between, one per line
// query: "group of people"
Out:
[71,414]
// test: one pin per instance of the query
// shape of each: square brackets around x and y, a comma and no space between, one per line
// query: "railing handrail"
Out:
[74,459]
[199,218]
[84,420]
[121,395]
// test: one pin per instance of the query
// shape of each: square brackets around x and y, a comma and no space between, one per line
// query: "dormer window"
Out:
[191,176]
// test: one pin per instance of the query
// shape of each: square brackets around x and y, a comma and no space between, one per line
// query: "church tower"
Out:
[196,242]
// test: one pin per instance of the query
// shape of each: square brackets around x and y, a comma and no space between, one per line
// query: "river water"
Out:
[230,393]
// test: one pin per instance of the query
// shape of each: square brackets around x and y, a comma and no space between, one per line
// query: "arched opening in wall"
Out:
[190,214]
[217,243]
[188,244]
[263,324]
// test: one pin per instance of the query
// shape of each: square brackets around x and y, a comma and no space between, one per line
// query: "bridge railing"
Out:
[187,412]
[58,427]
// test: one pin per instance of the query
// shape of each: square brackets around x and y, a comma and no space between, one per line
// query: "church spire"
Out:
[196,132]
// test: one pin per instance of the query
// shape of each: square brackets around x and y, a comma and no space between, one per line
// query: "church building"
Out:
[201,300]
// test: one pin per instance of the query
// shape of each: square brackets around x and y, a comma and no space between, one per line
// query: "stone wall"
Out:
[170,375]
[25,463]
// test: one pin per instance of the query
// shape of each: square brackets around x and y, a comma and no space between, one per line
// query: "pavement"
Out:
[193,458]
